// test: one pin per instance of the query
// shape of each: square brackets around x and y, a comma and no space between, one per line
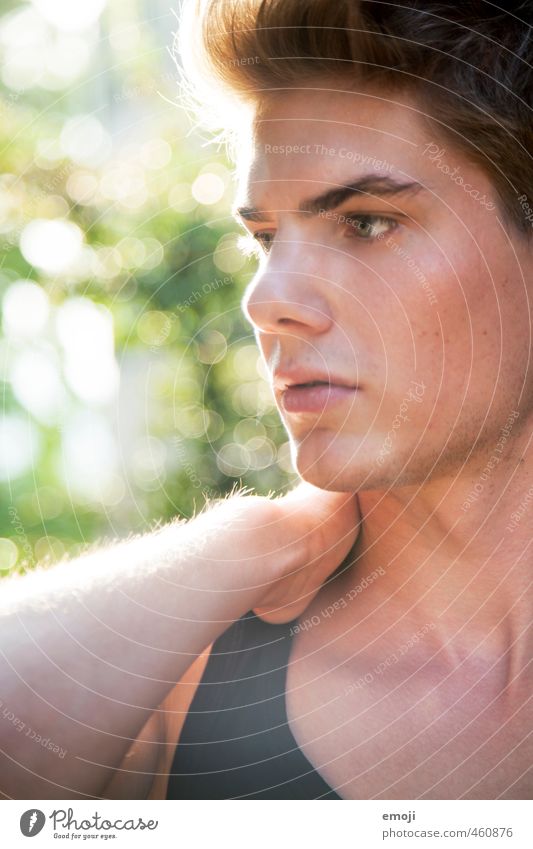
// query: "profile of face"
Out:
[391,302]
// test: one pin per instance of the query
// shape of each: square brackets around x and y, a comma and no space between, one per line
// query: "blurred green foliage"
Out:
[141,248]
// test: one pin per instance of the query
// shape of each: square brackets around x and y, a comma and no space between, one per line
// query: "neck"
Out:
[459,548]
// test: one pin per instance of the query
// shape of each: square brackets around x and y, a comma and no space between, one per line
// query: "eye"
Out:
[256,244]
[368,228]
[265,239]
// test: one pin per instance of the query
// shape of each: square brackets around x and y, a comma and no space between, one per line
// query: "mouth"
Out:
[311,383]
[311,391]
[315,395]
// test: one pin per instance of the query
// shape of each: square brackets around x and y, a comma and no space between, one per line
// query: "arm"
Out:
[144,770]
[89,649]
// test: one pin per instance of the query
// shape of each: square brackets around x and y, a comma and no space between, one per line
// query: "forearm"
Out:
[91,648]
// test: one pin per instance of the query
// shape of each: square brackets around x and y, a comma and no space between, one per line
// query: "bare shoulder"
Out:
[143,772]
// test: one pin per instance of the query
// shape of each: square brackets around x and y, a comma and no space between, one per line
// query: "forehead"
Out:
[311,137]
[330,113]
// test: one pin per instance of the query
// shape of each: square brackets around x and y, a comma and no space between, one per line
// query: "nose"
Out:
[287,301]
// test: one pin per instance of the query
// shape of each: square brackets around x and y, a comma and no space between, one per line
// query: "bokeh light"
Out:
[208,188]
[19,446]
[69,15]
[51,246]
[25,310]
[131,382]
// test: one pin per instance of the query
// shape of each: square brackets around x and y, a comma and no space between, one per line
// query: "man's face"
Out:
[395,324]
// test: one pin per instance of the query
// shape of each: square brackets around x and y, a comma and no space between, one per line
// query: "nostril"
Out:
[266,305]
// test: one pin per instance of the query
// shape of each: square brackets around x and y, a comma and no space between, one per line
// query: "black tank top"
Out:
[236,742]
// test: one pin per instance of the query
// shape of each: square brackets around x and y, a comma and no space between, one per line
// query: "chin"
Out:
[337,464]
[330,466]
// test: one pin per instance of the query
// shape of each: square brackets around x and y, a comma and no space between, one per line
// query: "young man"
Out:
[387,179]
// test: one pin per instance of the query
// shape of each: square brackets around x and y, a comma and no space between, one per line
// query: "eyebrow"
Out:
[368,184]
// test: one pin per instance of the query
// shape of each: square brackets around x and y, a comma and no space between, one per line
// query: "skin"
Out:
[448,718]
[325,296]
[334,297]
[92,648]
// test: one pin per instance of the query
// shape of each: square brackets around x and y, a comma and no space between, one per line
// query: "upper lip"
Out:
[285,378]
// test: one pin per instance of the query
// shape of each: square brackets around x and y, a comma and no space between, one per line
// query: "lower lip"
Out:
[315,399]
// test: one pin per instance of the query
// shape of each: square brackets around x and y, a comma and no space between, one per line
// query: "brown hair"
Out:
[468,64]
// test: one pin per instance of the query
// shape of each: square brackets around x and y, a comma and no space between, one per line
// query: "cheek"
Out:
[414,316]
[474,315]
[430,308]
[389,323]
